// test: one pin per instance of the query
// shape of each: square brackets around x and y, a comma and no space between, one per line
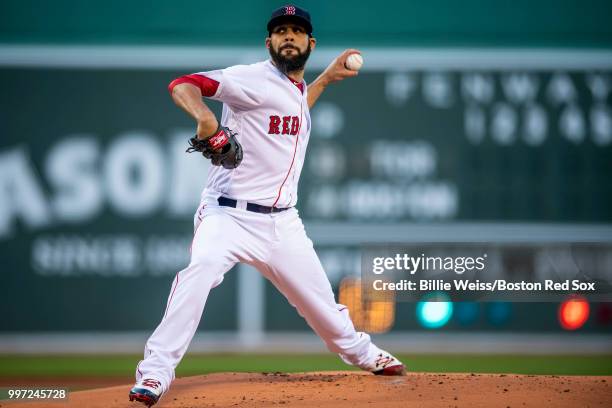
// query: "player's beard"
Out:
[291,63]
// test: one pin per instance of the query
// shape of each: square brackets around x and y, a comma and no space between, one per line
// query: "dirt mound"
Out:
[351,389]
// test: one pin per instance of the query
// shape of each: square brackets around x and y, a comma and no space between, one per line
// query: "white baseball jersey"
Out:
[270,114]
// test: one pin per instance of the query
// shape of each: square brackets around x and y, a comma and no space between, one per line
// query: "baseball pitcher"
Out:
[247,212]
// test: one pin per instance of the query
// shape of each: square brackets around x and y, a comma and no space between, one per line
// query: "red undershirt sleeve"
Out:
[207,86]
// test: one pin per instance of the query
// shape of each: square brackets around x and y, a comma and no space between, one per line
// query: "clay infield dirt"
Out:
[350,389]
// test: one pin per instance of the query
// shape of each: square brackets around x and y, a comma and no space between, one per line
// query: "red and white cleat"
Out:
[386,364]
[148,391]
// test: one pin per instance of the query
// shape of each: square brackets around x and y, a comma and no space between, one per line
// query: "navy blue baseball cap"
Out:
[290,13]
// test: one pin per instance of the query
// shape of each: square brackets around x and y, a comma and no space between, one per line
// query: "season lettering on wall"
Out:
[137,175]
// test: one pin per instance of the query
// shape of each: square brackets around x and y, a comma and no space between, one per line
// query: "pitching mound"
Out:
[351,389]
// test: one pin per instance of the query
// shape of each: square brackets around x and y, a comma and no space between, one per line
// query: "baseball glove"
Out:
[222,148]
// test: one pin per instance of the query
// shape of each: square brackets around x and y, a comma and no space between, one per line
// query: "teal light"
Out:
[434,315]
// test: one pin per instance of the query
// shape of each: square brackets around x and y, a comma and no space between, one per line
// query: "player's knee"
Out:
[209,266]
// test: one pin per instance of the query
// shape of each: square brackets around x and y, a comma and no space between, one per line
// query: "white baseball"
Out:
[354,62]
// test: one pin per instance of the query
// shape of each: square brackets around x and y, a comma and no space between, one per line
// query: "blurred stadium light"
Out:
[574,313]
[467,313]
[498,313]
[372,317]
[434,311]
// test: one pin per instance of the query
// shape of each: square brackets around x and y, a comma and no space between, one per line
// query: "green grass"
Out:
[124,365]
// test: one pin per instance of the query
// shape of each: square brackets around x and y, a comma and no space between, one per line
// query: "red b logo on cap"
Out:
[289,10]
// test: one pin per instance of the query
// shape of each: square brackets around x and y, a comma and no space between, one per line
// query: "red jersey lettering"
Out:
[286,122]
[295,125]
[274,125]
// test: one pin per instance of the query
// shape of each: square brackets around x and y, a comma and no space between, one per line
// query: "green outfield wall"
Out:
[568,23]
[468,120]
[97,193]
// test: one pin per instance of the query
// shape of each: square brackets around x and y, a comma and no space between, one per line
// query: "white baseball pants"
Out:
[275,244]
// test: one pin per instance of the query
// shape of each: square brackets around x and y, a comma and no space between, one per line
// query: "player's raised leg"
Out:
[294,268]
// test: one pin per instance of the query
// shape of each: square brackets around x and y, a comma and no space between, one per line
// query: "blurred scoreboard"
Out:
[466,145]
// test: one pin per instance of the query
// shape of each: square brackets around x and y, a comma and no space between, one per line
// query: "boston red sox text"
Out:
[477,285]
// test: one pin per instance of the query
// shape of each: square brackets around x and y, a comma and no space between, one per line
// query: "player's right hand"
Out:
[337,71]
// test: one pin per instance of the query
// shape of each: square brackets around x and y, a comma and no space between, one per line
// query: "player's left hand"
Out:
[222,148]
[337,71]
